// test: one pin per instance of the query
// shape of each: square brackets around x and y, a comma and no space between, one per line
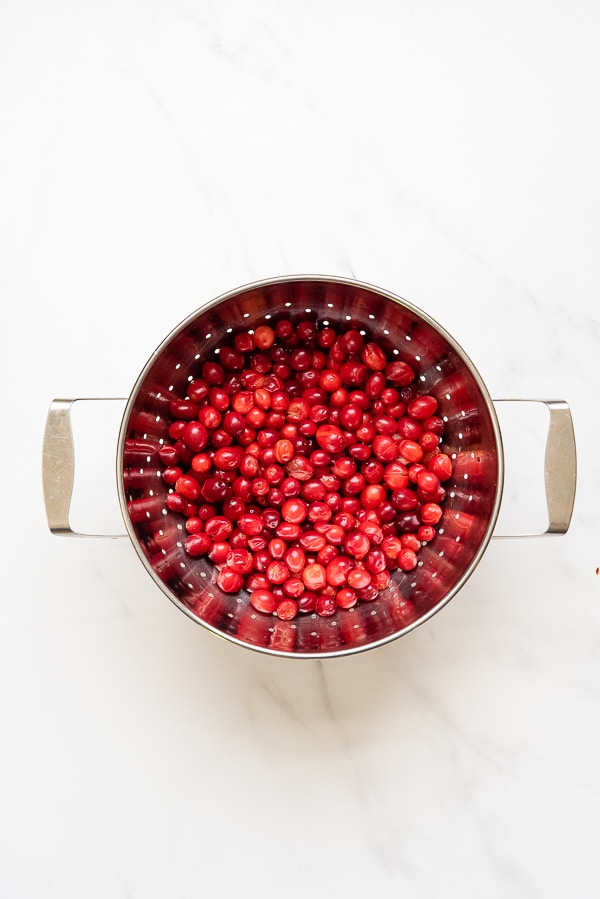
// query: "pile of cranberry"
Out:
[307,466]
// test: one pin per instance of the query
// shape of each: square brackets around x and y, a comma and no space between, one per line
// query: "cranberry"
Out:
[287,609]
[422,407]
[351,416]
[313,491]
[264,337]
[295,559]
[195,436]
[381,580]
[335,534]
[404,499]
[325,605]
[231,359]
[314,577]
[410,451]
[373,357]
[233,423]
[391,546]
[330,380]
[243,342]
[263,600]
[346,598]
[407,559]
[219,552]
[441,465]
[429,441]
[399,373]
[230,581]
[171,475]
[240,560]
[218,528]
[251,525]
[198,544]
[277,548]
[359,451]
[209,417]
[353,373]
[194,525]
[215,490]
[359,578]
[375,561]
[198,390]
[426,533]
[372,496]
[213,373]
[300,469]
[311,541]
[434,424]
[428,482]
[385,448]
[288,531]
[409,428]
[307,602]
[188,487]
[260,487]
[357,544]
[283,451]
[430,513]
[228,458]
[185,409]
[298,410]
[352,342]
[278,572]
[293,587]
[410,541]
[337,571]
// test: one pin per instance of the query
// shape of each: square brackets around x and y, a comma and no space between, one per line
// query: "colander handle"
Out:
[560,467]
[58,467]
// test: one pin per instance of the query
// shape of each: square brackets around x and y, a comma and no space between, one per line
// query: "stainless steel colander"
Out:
[472,438]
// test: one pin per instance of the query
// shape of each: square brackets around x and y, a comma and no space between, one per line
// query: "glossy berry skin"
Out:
[330,438]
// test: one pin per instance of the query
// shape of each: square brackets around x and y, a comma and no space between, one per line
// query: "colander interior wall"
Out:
[471,438]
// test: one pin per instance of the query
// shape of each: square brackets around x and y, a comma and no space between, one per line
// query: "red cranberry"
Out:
[353,373]
[325,605]
[278,572]
[373,357]
[422,407]
[359,578]
[430,513]
[314,577]
[264,337]
[287,609]
[346,598]
[277,548]
[231,359]
[263,601]
[399,373]
[357,544]
[385,448]
[337,571]
[441,465]
[198,544]
[230,581]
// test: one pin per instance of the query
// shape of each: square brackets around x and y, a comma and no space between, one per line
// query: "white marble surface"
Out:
[154,155]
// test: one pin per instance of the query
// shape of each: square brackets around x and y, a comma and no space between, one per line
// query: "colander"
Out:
[472,438]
